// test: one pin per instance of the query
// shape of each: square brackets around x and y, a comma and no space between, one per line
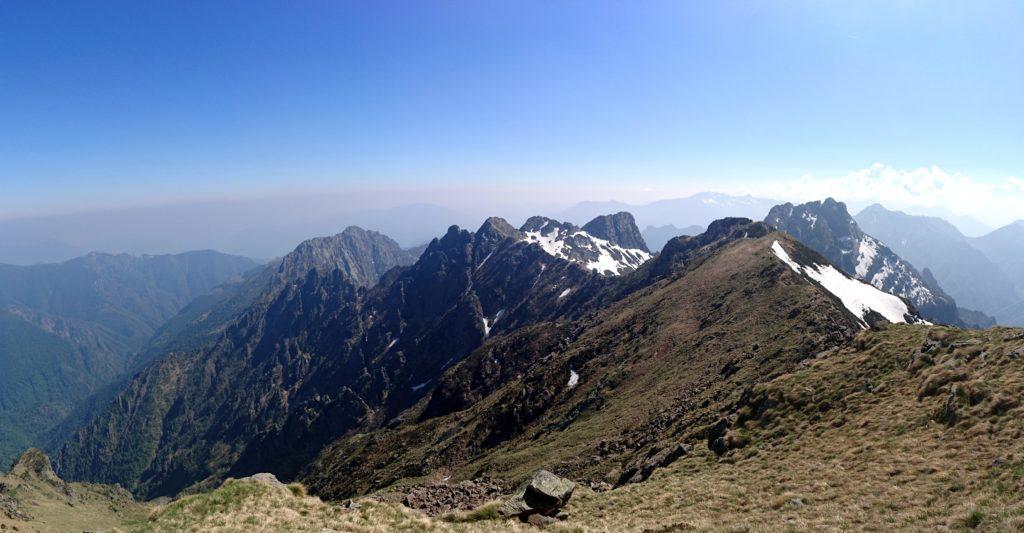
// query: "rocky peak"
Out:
[825,226]
[455,242]
[684,249]
[619,229]
[362,255]
[34,465]
[497,228]
[492,233]
[545,225]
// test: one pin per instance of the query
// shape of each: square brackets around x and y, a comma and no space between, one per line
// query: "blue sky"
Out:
[119,103]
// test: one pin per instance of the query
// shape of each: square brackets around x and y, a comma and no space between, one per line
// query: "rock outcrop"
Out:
[544,494]
[442,497]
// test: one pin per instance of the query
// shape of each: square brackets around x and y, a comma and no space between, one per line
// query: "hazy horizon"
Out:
[268,227]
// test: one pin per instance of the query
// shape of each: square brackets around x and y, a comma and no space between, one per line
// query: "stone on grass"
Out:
[544,494]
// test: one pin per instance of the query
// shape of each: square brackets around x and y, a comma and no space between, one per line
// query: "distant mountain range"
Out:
[67,329]
[657,236]
[697,210]
[259,228]
[980,273]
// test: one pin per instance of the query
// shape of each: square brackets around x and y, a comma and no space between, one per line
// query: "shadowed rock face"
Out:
[828,228]
[619,229]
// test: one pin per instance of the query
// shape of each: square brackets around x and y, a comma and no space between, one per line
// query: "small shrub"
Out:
[973,520]
[297,490]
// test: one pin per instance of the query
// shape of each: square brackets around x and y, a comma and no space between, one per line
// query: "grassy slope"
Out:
[876,436]
[857,441]
[93,508]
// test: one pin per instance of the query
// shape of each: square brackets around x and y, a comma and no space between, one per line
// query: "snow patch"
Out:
[489,324]
[564,293]
[866,256]
[478,267]
[416,388]
[574,378]
[550,243]
[858,297]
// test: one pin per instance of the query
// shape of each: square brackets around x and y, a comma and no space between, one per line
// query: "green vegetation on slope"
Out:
[41,374]
[68,329]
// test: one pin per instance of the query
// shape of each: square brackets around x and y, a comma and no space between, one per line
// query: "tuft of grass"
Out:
[487,511]
[297,490]
[973,520]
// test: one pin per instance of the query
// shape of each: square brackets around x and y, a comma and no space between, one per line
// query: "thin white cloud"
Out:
[920,189]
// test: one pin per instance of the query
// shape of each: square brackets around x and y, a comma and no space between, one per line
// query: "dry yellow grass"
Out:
[850,446]
[93,508]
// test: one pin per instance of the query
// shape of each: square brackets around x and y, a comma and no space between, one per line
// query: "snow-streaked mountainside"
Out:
[567,241]
[858,297]
[828,228]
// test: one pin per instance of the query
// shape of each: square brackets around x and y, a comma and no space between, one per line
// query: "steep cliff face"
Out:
[619,229]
